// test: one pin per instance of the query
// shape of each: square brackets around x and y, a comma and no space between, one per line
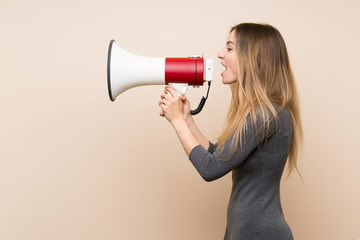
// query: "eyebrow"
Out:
[229,42]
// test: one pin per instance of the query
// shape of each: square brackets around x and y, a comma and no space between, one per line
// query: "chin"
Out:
[227,81]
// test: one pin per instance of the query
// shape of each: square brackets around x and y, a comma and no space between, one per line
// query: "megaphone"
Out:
[126,70]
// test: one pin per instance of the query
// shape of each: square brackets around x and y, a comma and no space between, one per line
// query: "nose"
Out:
[221,54]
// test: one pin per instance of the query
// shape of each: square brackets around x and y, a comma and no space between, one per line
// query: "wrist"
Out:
[189,119]
[178,123]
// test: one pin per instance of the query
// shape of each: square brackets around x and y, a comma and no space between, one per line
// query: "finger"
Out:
[167,93]
[172,92]
[161,104]
[163,108]
[164,101]
[168,97]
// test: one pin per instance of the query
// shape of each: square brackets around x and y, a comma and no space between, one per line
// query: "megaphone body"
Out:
[126,70]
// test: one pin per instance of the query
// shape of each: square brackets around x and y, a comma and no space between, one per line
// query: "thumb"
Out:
[184,98]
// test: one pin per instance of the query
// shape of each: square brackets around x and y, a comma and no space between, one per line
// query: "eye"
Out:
[229,49]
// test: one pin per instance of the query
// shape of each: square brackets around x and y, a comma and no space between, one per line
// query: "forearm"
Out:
[186,135]
[197,133]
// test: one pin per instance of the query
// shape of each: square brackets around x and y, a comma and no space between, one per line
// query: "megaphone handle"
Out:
[180,88]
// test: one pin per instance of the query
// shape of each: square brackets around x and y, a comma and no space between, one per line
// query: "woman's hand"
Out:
[186,108]
[176,109]
[173,106]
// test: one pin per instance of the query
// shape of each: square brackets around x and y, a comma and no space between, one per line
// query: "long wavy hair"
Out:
[264,77]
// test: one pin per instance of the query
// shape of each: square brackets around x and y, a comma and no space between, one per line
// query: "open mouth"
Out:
[224,67]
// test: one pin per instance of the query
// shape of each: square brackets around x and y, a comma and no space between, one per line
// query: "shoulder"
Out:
[267,114]
[269,121]
[283,121]
[283,114]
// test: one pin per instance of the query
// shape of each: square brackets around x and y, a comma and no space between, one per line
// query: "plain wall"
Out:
[74,165]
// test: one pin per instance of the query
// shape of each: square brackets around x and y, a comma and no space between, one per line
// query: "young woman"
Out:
[262,131]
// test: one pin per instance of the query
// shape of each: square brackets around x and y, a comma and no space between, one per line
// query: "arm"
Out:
[196,131]
[186,133]
[212,166]
[186,136]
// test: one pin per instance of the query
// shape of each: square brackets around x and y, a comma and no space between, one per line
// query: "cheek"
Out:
[233,69]
[234,74]
[233,63]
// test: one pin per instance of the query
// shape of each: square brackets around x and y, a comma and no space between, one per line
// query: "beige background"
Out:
[74,165]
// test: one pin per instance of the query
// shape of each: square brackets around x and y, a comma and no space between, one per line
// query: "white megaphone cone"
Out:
[126,70]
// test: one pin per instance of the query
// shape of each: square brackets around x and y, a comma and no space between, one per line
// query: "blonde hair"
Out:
[264,77]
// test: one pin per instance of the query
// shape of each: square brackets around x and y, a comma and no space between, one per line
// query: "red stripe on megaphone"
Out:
[184,70]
